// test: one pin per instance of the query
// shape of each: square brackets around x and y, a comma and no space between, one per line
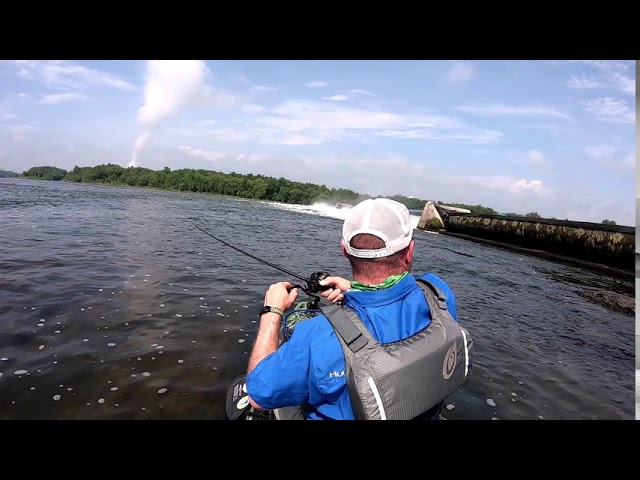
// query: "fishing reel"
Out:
[313,284]
[313,287]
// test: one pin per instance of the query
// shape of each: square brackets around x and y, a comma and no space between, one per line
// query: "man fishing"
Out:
[309,369]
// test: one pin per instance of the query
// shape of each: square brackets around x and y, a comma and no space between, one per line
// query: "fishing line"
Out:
[312,282]
[252,256]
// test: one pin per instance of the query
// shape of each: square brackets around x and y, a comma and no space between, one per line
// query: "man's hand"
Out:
[335,294]
[279,296]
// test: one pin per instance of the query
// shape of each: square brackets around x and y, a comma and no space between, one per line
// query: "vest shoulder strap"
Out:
[348,326]
[355,334]
[431,292]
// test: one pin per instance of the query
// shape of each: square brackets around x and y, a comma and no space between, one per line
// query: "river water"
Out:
[114,306]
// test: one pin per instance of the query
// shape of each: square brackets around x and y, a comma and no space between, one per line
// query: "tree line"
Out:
[250,186]
[258,187]
[7,174]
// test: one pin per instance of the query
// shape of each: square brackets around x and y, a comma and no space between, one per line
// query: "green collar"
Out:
[390,281]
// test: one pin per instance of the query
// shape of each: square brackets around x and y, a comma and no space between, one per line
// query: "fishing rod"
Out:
[313,282]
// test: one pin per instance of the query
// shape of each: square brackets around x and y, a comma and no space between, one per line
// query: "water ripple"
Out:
[109,296]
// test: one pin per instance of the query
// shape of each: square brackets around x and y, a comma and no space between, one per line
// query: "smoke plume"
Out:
[170,86]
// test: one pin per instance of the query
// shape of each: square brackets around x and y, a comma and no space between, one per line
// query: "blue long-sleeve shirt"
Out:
[309,369]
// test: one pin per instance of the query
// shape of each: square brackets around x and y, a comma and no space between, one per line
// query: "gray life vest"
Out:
[401,380]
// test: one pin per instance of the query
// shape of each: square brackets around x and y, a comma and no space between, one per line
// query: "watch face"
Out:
[265,310]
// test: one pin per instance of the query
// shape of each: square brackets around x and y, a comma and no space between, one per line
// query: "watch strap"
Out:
[267,309]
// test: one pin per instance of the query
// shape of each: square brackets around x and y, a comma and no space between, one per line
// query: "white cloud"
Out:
[599,151]
[6,114]
[56,98]
[629,161]
[310,123]
[523,185]
[612,73]
[359,91]
[217,135]
[477,136]
[262,88]
[206,154]
[229,135]
[609,109]
[62,73]
[252,109]
[623,83]
[205,123]
[403,133]
[18,97]
[20,132]
[460,72]
[497,184]
[11,102]
[606,65]
[612,157]
[299,115]
[301,140]
[187,132]
[251,157]
[535,157]
[500,109]
[583,83]
[317,84]
[337,98]
[75,75]
[215,98]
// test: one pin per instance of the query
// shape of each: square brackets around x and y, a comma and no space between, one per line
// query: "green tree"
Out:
[45,173]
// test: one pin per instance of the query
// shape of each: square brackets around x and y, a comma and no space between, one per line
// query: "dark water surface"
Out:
[113,306]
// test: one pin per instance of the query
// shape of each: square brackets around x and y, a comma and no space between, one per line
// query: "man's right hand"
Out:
[339,285]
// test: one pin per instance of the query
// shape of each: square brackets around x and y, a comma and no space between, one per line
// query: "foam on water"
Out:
[325,210]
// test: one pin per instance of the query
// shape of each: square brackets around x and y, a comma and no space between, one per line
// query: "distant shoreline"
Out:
[417,212]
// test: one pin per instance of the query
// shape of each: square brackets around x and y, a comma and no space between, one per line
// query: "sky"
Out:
[547,136]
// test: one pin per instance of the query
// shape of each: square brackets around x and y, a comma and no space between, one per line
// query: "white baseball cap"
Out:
[386,219]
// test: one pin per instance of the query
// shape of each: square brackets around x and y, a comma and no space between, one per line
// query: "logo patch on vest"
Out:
[449,364]
[242,403]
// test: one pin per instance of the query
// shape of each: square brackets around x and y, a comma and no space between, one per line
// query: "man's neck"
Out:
[377,279]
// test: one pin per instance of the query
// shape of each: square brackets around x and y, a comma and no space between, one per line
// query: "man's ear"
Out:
[344,252]
[408,258]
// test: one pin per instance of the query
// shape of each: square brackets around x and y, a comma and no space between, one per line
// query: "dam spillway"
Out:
[600,244]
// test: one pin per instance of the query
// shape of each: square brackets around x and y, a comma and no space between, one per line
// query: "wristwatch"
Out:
[267,309]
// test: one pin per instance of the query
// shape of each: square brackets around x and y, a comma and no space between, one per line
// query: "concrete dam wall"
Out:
[608,245]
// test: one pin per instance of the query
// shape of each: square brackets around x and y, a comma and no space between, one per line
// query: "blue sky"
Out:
[555,137]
